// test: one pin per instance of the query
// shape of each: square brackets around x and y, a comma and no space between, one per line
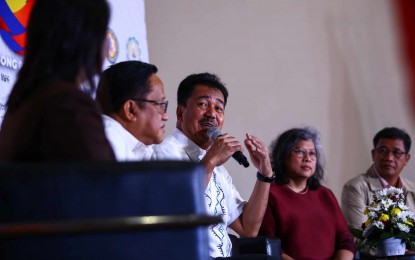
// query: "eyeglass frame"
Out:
[397,153]
[164,105]
[303,153]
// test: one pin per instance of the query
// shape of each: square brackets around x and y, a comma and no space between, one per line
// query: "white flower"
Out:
[387,203]
[374,207]
[389,214]
[372,215]
[381,193]
[402,205]
[403,227]
[393,191]
[405,216]
[378,224]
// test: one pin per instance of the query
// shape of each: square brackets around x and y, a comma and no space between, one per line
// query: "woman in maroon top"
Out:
[301,212]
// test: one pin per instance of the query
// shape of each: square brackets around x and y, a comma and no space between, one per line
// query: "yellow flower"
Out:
[383,217]
[395,211]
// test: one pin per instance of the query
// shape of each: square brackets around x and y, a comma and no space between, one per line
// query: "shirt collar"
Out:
[194,152]
[131,141]
[383,182]
[139,146]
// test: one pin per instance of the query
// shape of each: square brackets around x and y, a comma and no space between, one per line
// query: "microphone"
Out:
[213,133]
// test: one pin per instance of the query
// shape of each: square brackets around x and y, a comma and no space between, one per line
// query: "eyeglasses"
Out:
[163,105]
[301,153]
[384,151]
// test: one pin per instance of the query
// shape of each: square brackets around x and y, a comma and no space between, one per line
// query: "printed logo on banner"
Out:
[14,16]
[133,49]
[113,46]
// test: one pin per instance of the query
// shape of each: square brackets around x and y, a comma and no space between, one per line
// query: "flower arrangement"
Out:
[387,216]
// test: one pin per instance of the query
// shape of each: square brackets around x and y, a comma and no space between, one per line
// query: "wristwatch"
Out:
[262,178]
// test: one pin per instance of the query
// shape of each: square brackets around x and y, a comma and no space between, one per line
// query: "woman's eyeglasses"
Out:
[301,153]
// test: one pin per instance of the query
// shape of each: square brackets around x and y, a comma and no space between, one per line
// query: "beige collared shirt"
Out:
[383,182]
[358,193]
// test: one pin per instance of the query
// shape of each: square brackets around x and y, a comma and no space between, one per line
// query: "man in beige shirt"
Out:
[390,155]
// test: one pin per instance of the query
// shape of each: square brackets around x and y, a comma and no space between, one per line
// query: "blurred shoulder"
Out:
[359,180]
[408,184]
[325,190]
[63,95]
[168,143]
[327,194]
[169,149]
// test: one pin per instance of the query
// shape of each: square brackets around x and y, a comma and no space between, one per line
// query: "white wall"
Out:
[330,64]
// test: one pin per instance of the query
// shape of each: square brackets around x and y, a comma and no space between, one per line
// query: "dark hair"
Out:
[64,38]
[393,133]
[123,81]
[281,150]
[187,86]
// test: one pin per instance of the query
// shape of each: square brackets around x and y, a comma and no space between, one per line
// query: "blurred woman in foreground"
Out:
[48,117]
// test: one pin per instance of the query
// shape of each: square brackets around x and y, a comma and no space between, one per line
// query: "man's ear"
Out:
[373,154]
[179,112]
[130,110]
[408,157]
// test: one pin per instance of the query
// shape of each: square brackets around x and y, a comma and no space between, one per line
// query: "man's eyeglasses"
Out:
[301,153]
[384,151]
[163,105]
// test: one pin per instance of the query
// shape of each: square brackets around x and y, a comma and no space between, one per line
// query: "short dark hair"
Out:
[393,133]
[123,81]
[281,150]
[187,86]
[63,38]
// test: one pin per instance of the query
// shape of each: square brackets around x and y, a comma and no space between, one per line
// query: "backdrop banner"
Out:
[127,36]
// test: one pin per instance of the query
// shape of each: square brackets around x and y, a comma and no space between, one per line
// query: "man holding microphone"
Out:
[201,102]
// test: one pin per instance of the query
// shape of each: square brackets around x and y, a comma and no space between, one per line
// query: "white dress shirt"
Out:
[221,196]
[126,147]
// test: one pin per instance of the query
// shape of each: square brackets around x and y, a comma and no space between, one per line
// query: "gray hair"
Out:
[281,149]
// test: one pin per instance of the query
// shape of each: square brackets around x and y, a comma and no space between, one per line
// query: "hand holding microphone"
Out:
[213,133]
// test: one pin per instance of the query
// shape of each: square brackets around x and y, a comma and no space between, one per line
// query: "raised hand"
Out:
[259,155]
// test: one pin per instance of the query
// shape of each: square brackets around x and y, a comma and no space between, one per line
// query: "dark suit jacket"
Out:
[57,123]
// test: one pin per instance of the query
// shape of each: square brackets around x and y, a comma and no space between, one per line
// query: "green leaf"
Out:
[385,236]
[372,242]
[357,233]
